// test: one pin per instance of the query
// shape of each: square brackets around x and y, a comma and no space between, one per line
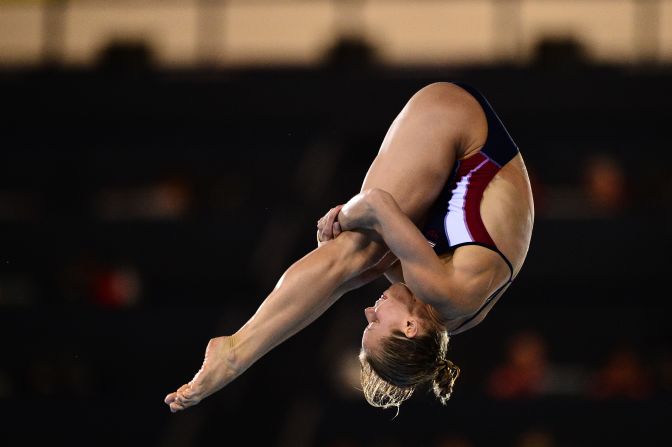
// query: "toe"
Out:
[187,395]
[175,407]
[170,398]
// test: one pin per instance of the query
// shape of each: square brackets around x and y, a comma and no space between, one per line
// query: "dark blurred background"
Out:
[163,163]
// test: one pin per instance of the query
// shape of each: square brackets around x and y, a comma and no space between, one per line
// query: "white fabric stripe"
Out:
[455,222]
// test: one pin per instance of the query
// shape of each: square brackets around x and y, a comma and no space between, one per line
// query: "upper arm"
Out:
[430,279]
[394,273]
[434,282]
[481,314]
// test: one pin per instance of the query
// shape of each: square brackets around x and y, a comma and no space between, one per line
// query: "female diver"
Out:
[445,212]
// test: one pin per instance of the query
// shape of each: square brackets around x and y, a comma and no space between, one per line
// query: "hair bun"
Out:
[444,379]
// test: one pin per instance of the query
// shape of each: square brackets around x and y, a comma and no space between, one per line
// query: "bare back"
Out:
[507,212]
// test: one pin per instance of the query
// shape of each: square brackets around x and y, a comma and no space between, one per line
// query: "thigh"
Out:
[435,127]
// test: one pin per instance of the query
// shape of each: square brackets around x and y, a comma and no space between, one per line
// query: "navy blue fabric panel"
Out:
[499,146]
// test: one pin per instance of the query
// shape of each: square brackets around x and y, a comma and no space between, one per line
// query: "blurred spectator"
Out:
[524,371]
[535,437]
[622,376]
[86,279]
[126,55]
[168,199]
[117,287]
[528,372]
[604,184]
[560,53]
[351,53]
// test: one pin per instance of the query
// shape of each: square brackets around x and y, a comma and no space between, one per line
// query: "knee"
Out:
[373,196]
[367,206]
[382,200]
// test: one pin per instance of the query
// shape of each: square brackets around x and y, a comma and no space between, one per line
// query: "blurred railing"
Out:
[261,32]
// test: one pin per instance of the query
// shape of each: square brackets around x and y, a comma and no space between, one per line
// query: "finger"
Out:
[336,229]
[328,224]
[332,221]
[336,210]
[333,214]
[322,237]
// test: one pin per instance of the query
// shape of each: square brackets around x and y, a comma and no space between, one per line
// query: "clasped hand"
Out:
[360,212]
[328,227]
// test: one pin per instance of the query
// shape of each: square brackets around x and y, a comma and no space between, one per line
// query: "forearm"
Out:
[304,292]
[422,270]
[377,212]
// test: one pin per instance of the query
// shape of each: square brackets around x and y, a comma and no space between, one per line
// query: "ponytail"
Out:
[444,379]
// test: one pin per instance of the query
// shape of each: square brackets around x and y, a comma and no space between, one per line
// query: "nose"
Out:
[370,314]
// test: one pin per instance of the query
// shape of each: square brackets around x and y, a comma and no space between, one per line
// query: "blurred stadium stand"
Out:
[145,210]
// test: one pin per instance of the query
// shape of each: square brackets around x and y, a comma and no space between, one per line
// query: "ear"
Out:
[411,328]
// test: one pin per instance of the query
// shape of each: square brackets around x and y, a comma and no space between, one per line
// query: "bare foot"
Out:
[217,371]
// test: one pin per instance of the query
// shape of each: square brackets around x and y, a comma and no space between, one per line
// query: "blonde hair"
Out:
[390,376]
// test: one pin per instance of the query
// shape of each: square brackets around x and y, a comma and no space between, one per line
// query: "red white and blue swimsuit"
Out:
[455,218]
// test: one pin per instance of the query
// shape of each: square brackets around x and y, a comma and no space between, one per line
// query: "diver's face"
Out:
[393,310]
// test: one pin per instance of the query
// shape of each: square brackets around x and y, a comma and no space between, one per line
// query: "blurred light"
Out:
[604,182]
[117,287]
[346,375]
[163,200]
